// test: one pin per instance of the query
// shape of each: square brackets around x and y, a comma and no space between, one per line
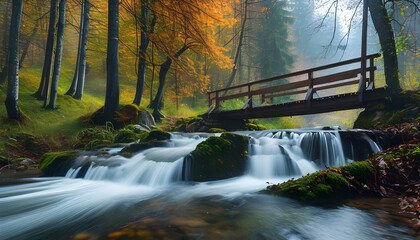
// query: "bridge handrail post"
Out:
[209,99]
[371,73]
[310,92]
[217,100]
[249,96]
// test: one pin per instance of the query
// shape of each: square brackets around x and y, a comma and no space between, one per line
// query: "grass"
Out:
[40,120]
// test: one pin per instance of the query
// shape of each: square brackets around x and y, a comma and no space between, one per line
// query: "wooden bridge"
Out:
[315,90]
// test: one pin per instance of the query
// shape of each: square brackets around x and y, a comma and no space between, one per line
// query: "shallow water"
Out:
[145,197]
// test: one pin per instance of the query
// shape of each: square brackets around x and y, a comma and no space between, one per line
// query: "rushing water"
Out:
[147,195]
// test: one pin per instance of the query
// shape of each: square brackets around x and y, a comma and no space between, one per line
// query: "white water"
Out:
[113,186]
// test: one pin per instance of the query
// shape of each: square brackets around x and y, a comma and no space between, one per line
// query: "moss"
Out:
[363,171]
[131,149]
[126,115]
[322,184]
[219,157]
[95,138]
[126,136]
[254,127]
[398,109]
[216,130]
[56,163]
[157,135]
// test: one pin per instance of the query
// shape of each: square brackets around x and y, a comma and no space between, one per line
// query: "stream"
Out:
[147,197]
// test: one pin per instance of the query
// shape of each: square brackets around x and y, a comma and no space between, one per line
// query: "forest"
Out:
[123,100]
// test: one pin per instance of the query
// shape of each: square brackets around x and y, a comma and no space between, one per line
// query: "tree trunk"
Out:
[58,55]
[238,50]
[82,61]
[11,103]
[112,97]
[386,38]
[42,91]
[28,41]
[73,85]
[164,68]
[4,60]
[144,41]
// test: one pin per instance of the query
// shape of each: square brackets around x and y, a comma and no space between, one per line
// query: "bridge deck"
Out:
[296,108]
[324,81]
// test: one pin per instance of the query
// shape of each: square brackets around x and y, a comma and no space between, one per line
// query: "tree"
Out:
[82,61]
[4,59]
[58,55]
[11,103]
[382,23]
[42,91]
[112,96]
[78,83]
[188,25]
[164,68]
[144,41]
[385,32]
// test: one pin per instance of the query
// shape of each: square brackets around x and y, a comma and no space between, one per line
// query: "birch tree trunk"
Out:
[82,61]
[42,91]
[12,107]
[73,85]
[58,55]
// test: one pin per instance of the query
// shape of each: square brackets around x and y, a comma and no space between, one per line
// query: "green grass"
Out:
[40,120]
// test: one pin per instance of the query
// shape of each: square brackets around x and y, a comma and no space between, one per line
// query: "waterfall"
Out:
[299,152]
[272,154]
[154,166]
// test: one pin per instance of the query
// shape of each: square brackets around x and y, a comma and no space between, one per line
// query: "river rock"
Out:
[218,158]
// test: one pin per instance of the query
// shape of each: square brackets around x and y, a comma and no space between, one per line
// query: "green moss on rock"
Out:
[363,171]
[157,135]
[389,173]
[219,157]
[216,130]
[56,163]
[95,138]
[126,136]
[398,109]
[322,184]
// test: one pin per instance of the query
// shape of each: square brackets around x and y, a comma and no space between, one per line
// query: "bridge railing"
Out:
[306,82]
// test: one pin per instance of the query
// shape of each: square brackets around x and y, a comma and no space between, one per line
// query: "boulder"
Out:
[57,163]
[218,158]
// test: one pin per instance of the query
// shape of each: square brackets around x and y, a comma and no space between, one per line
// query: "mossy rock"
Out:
[94,138]
[157,135]
[216,130]
[134,148]
[154,138]
[363,171]
[389,173]
[219,158]
[126,115]
[401,108]
[126,136]
[316,186]
[57,163]
[254,127]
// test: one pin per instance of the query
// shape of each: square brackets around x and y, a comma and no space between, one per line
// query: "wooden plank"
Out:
[286,94]
[280,88]
[336,77]
[337,85]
